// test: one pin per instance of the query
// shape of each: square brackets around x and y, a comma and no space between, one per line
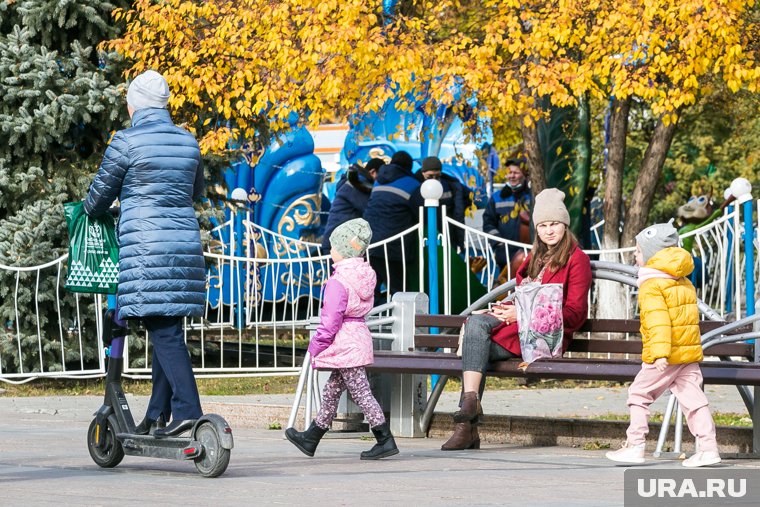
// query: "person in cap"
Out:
[393,208]
[154,169]
[343,343]
[671,347]
[554,258]
[351,197]
[507,216]
[455,196]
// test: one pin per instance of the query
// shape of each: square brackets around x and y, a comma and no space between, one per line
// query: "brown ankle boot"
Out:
[465,437]
[471,410]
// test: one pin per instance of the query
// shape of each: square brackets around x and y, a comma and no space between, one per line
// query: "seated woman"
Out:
[554,258]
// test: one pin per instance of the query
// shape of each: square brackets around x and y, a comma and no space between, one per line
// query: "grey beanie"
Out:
[656,237]
[550,207]
[351,238]
[149,89]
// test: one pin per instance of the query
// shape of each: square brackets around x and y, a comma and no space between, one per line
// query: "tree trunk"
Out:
[537,174]
[637,216]
[535,161]
[611,300]
[613,184]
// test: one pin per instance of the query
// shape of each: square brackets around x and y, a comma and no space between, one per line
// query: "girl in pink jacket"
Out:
[343,342]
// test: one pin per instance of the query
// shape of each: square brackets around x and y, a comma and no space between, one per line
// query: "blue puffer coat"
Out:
[155,170]
[350,202]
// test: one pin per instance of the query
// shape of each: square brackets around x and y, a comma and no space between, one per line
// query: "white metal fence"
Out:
[263,289]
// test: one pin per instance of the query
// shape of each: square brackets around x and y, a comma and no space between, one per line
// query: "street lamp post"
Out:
[741,188]
[431,191]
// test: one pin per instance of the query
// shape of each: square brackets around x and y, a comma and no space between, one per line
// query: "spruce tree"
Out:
[60,100]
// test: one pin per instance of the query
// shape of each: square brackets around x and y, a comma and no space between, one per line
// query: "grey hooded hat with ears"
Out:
[656,237]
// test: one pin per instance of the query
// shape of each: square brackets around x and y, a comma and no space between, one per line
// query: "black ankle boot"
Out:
[148,424]
[306,441]
[385,446]
[145,425]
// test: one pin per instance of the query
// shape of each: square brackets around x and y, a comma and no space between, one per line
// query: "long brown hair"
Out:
[556,258]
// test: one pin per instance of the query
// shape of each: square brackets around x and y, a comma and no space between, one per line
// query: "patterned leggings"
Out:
[355,380]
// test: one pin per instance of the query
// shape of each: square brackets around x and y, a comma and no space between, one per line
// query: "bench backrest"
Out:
[449,326]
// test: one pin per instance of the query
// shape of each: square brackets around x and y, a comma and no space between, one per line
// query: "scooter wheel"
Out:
[215,458]
[110,453]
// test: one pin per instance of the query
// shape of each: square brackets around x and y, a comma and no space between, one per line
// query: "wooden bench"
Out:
[422,360]
[593,358]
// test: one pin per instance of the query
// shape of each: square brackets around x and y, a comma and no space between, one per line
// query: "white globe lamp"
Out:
[431,191]
[741,188]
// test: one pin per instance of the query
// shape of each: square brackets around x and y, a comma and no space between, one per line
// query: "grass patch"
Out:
[721,419]
[595,446]
[206,386]
[240,386]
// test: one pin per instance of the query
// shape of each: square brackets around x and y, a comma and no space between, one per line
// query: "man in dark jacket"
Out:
[154,169]
[351,197]
[393,207]
[507,213]
[455,196]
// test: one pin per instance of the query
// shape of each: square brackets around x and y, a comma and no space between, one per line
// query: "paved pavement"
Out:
[44,461]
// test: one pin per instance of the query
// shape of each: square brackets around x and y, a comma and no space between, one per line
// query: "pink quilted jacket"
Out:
[342,339]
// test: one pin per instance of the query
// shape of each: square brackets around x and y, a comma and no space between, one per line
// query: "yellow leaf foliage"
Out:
[241,68]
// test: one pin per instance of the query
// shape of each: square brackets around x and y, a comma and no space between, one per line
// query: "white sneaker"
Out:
[628,454]
[702,459]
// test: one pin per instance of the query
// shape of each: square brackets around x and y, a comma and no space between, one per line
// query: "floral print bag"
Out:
[539,320]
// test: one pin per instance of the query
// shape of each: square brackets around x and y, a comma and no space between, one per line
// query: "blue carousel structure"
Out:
[281,197]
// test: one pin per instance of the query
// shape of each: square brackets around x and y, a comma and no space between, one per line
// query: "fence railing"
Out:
[263,289]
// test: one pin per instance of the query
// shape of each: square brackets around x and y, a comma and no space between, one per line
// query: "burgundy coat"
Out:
[575,278]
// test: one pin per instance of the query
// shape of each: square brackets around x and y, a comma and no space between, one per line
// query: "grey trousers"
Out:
[478,349]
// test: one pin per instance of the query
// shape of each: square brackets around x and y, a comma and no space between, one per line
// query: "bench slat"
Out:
[718,372]
[590,326]
[583,345]
[441,341]
[427,320]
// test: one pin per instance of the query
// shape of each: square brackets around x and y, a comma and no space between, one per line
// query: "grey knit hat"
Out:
[149,89]
[550,207]
[351,238]
[656,237]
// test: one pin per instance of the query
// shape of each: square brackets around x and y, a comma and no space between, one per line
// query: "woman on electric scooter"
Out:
[154,169]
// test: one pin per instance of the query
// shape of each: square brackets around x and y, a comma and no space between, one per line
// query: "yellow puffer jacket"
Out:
[668,310]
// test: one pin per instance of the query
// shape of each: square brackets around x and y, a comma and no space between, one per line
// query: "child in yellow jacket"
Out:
[672,347]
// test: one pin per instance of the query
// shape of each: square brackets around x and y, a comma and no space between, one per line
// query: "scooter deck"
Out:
[169,448]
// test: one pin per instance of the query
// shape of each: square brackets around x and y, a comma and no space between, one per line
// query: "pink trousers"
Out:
[685,382]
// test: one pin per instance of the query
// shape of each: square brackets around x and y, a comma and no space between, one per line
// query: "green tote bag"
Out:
[93,252]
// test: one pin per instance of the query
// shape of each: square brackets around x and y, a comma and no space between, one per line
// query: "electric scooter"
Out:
[112,432]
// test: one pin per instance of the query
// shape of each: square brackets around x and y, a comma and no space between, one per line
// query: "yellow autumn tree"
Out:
[667,54]
[663,53]
[239,70]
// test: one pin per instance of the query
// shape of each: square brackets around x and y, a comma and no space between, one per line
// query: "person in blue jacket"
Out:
[507,214]
[351,197]
[455,197]
[393,207]
[154,169]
